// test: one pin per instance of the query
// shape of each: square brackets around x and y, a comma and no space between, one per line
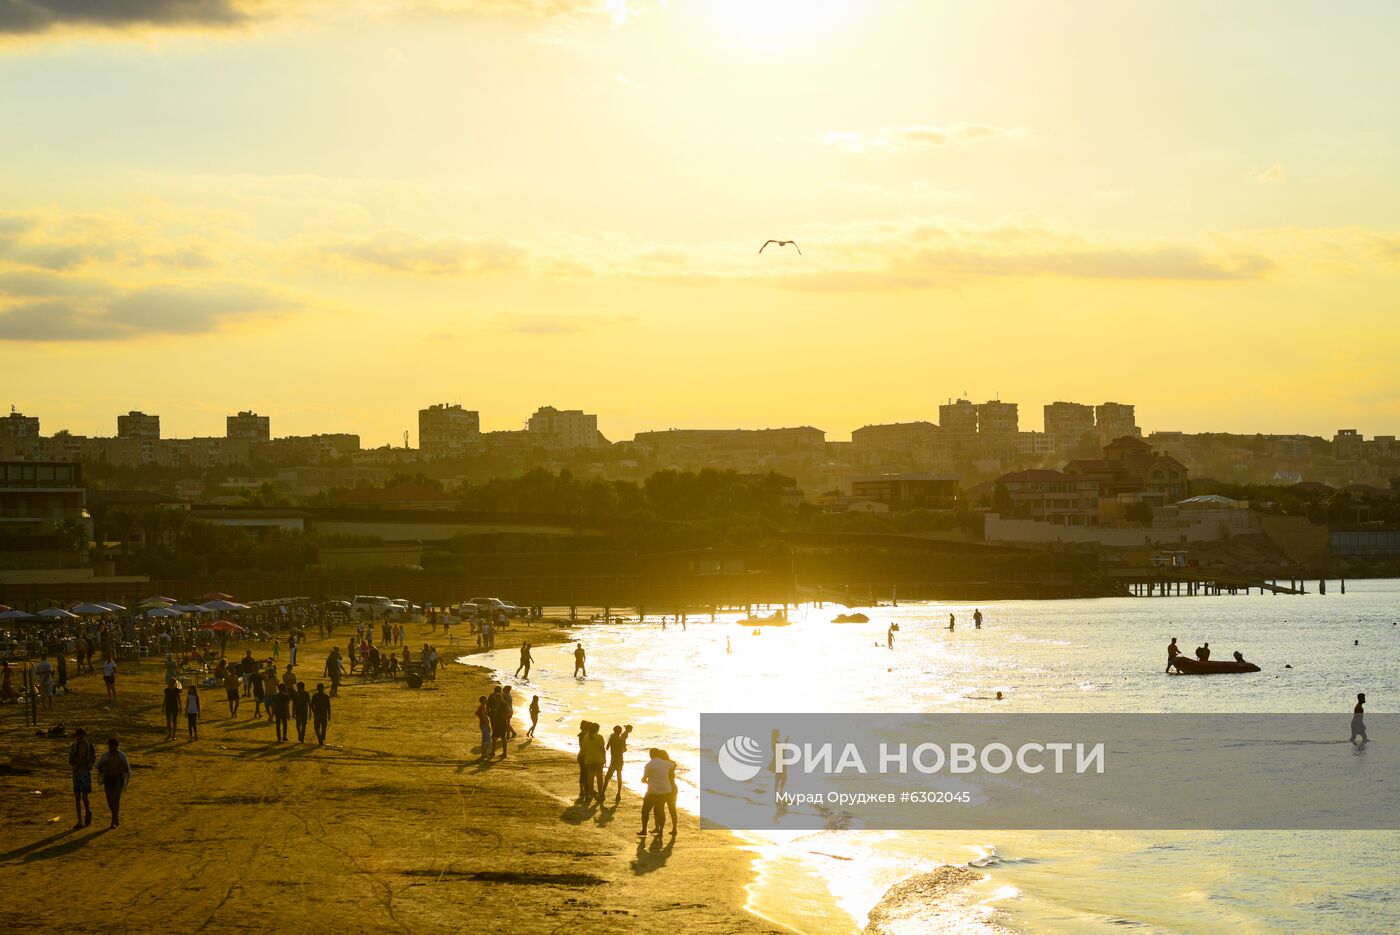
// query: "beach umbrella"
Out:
[4,607]
[158,599]
[89,610]
[189,608]
[222,626]
[114,608]
[9,614]
[217,596]
[58,613]
[221,604]
[163,612]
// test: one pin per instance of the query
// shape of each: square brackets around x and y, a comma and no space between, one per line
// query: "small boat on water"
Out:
[778,619]
[1187,666]
[850,618]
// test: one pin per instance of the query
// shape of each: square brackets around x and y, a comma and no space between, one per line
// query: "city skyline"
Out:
[301,208]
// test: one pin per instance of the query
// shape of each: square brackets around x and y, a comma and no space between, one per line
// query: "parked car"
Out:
[371,606]
[492,606]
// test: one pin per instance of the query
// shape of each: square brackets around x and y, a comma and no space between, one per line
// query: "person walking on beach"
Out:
[280,707]
[483,723]
[889,636]
[1173,651]
[508,700]
[525,660]
[231,691]
[335,670]
[43,674]
[952,623]
[534,715]
[82,756]
[247,665]
[170,703]
[617,747]
[1358,722]
[977,619]
[320,712]
[671,796]
[259,694]
[579,659]
[192,712]
[594,756]
[657,777]
[114,772]
[301,709]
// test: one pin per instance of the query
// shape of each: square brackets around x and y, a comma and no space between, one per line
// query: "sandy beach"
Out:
[393,825]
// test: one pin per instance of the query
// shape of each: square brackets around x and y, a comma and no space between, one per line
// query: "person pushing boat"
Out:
[1173,651]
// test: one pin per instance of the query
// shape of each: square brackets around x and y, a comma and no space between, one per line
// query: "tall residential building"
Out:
[958,420]
[997,425]
[1116,420]
[138,425]
[446,431]
[1347,445]
[248,425]
[1068,423]
[17,426]
[564,428]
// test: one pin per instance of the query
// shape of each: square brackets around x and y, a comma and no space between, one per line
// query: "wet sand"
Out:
[393,825]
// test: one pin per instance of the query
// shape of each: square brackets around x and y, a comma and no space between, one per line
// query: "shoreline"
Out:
[393,824]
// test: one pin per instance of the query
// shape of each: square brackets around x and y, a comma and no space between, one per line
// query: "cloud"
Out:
[21,17]
[405,252]
[901,139]
[77,310]
[1274,173]
[545,324]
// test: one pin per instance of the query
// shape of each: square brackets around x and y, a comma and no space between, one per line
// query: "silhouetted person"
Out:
[1358,723]
[1239,656]
[114,772]
[977,619]
[1173,651]
[617,746]
[1203,652]
[889,637]
[525,660]
[82,756]
[579,659]
[952,623]
[320,712]
[301,710]
[534,715]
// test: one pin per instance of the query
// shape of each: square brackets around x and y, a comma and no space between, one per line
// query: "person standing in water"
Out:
[952,623]
[977,619]
[525,660]
[1173,651]
[579,658]
[1358,723]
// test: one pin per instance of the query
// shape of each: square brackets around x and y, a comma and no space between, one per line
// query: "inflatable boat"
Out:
[1189,666]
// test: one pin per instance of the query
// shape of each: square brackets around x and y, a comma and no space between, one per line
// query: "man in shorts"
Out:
[657,776]
[82,756]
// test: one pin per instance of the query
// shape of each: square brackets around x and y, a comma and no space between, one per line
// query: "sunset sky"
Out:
[338,212]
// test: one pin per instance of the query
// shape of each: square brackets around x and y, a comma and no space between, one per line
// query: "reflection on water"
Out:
[1093,655]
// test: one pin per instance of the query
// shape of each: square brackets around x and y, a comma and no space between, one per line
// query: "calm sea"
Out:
[1062,656]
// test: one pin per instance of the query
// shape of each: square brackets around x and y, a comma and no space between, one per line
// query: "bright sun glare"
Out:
[773,24]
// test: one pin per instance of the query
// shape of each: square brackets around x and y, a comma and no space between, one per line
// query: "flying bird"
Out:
[781,243]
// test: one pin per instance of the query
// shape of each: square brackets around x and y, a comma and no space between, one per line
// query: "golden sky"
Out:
[338,212]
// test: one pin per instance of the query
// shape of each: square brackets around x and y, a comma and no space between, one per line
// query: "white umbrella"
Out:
[17,615]
[189,608]
[222,605]
[163,612]
[115,608]
[58,613]
[90,610]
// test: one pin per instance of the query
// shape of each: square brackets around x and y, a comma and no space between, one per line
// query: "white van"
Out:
[371,606]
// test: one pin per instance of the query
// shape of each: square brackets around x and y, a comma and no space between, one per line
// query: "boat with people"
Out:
[850,618]
[776,619]
[1188,666]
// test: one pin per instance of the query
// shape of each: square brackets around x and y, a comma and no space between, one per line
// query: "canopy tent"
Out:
[222,604]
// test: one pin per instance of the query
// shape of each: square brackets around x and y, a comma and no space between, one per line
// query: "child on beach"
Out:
[534,715]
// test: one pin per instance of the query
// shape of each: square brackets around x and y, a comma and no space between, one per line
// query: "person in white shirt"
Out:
[109,676]
[657,776]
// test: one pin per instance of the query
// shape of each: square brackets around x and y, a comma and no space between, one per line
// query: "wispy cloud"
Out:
[1274,173]
[919,136]
[28,17]
[406,252]
[75,310]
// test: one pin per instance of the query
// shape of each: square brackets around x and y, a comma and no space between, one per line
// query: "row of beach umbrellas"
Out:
[155,606]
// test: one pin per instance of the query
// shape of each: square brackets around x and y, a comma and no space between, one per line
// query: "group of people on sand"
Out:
[494,714]
[600,762]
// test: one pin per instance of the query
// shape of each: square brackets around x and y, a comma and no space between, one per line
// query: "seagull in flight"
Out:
[781,243]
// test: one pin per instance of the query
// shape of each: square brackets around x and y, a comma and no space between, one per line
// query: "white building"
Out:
[564,428]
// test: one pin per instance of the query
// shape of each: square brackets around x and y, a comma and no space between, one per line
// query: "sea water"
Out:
[1054,656]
